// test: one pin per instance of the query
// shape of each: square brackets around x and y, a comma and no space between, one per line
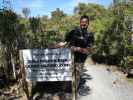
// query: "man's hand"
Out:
[58,45]
[84,50]
[61,44]
[81,50]
[75,49]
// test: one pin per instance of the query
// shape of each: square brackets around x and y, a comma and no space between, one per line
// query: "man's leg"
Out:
[78,69]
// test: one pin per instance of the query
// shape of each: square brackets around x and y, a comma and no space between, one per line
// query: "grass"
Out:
[130,80]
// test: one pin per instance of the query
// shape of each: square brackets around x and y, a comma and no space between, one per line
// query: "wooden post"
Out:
[25,84]
[73,79]
[13,67]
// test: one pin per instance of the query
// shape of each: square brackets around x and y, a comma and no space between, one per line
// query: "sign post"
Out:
[44,65]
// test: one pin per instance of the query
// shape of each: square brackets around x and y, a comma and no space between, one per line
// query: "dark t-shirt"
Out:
[80,38]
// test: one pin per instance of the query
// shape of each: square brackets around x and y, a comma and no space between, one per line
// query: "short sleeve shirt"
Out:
[80,38]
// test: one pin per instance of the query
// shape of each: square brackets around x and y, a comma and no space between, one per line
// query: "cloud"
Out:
[69,7]
[31,4]
[87,1]
[36,4]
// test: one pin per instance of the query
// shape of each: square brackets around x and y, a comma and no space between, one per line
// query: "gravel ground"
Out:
[107,84]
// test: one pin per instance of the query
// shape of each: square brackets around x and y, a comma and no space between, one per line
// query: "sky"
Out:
[45,7]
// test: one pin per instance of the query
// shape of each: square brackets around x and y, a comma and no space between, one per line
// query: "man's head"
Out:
[84,22]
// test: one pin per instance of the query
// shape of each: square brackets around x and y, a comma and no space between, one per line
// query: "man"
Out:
[80,42]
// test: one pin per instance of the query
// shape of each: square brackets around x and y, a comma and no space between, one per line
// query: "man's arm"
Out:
[89,47]
[81,50]
[73,48]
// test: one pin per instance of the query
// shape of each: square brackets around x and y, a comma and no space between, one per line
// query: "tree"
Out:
[115,38]
[26,12]
[91,10]
[8,36]
[34,24]
[57,14]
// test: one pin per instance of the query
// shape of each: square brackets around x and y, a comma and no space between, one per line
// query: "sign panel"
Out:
[47,64]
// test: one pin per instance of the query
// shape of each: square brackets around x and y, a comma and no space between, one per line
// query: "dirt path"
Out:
[104,85]
[107,85]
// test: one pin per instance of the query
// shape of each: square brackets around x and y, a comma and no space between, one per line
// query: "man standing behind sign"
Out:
[80,41]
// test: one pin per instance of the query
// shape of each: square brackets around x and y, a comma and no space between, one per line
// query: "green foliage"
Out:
[8,38]
[57,14]
[92,10]
[34,24]
[8,20]
[129,61]
[115,39]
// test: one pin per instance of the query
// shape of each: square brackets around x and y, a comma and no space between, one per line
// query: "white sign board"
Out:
[47,64]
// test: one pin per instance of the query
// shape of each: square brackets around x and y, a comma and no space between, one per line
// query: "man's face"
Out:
[84,23]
